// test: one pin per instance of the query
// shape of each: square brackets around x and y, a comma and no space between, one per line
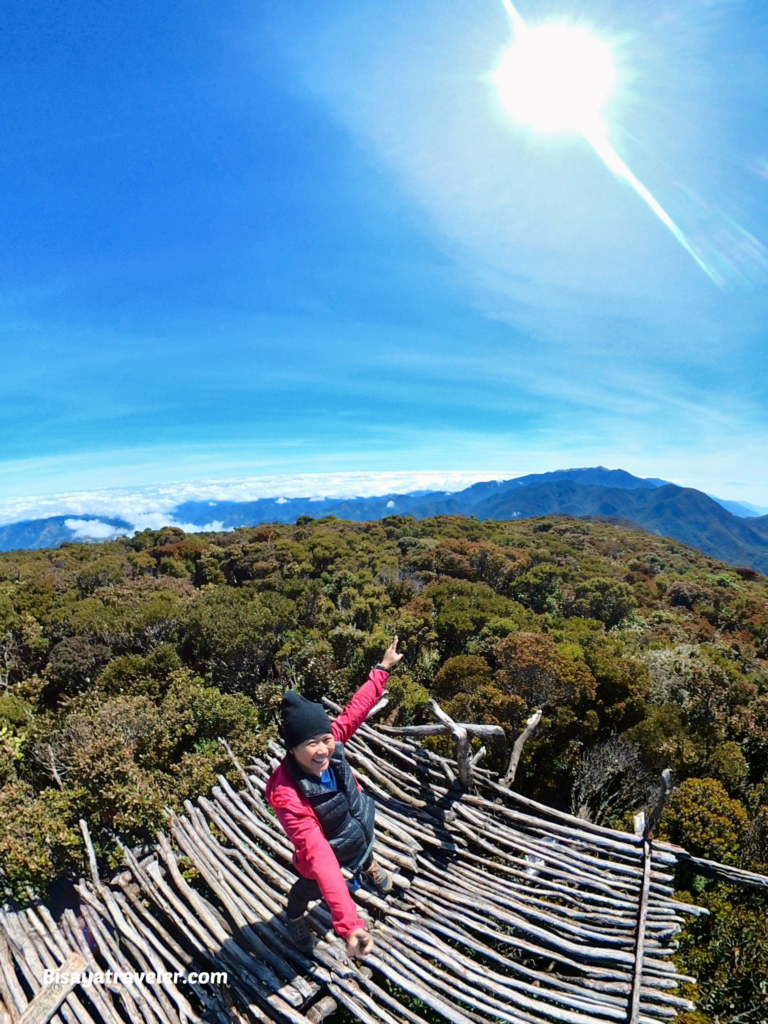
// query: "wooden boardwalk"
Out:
[503,910]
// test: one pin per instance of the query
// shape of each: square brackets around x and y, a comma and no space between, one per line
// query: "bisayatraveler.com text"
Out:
[132,977]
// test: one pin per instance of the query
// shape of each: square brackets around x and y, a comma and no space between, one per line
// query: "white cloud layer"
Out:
[94,529]
[152,507]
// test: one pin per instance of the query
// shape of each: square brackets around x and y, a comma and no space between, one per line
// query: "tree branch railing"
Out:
[531,726]
[460,731]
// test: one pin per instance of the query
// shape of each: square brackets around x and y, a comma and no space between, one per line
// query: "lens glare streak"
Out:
[556,78]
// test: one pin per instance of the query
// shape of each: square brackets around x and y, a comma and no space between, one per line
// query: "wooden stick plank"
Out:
[12,992]
[53,993]
[642,913]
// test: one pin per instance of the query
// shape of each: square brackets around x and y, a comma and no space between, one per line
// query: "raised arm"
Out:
[369,694]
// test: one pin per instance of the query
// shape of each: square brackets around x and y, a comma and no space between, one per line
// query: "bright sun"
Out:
[555,78]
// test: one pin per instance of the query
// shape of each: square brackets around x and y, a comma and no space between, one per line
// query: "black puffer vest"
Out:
[346,815]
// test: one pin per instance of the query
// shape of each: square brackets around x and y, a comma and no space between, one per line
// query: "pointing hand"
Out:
[391,657]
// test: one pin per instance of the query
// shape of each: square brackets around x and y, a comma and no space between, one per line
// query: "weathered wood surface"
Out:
[531,726]
[461,733]
[502,911]
[53,993]
[719,872]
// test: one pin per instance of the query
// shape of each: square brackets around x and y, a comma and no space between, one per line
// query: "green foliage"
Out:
[233,635]
[540,588]
[38,838]
[466,688]
[542,673]
[11,748]
[14,711]
[72,664]
[706,821]
[462,610]
[728,765]
[407,695]
[728,952]
[605,599]
[136,673]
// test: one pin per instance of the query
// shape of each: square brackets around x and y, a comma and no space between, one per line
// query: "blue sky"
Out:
[249,239]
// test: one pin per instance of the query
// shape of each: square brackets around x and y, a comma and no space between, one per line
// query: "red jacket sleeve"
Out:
[358,709]
[314,858]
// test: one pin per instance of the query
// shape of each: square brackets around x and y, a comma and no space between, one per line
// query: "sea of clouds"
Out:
[153,507]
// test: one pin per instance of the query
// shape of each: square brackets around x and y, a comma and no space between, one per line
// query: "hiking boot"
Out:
[379,878]
[300,934]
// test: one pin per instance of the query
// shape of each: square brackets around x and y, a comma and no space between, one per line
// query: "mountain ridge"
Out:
[664,508]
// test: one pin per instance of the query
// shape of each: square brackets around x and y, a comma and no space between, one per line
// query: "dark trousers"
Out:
[304,890]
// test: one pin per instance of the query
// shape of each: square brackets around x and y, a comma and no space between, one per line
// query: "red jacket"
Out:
[314,857]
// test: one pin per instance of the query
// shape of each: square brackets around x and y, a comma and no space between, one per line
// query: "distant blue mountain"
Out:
[739,508]
[686,514]
[53,531]
[715,527]
[598,476]
[724,529]
[602,477]
[233,514]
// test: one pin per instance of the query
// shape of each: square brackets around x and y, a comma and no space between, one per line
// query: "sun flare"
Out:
[555,78]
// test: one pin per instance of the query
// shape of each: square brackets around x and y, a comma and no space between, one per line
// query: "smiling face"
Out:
[314,754]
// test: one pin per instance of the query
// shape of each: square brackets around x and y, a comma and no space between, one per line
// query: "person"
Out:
[324,813]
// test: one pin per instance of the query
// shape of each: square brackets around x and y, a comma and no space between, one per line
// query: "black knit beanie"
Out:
[301,719]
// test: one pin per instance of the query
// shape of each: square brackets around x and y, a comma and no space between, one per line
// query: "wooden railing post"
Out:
[530,727]
[461,732]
